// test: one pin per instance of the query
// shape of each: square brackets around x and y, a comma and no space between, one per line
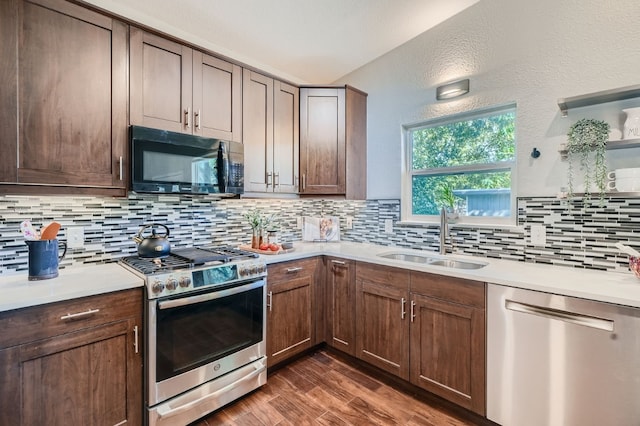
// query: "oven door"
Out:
[195,338]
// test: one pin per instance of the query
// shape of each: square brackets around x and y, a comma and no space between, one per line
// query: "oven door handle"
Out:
[170,413]
[184,301]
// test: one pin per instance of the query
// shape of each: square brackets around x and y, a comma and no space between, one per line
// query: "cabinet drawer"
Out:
[385,275]
[39,322]
[288,270]
[456,290]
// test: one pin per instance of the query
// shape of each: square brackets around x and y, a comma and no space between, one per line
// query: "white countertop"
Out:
[16,291]
[613,287]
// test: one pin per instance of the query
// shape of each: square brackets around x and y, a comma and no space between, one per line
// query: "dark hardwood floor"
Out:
[321,389]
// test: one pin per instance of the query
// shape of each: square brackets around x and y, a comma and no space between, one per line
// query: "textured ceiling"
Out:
[306,41]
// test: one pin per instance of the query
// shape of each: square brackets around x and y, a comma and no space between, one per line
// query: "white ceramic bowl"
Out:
[625,184]
[626,173]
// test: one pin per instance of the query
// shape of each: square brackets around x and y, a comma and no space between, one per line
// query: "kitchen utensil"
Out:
[29,231]
[50,231]
[153,245]
[628,250]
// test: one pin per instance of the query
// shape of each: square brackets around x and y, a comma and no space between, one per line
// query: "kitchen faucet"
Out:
[444,231]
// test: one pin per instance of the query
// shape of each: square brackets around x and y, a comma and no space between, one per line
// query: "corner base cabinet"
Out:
[341,304]
[76,362]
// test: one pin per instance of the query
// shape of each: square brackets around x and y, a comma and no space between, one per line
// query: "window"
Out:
[464,162]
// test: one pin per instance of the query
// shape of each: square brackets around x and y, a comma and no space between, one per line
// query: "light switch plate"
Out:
[75,237]
[538,235]
[388,226]
[299,222]
[349,222]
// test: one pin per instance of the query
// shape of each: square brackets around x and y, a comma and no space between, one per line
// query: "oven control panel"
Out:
[184,281]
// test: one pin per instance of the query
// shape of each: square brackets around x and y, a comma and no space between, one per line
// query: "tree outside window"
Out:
[464,163]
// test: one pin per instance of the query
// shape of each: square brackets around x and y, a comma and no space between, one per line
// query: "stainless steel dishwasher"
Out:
[556,360]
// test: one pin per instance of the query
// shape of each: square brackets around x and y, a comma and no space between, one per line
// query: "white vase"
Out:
[632,123]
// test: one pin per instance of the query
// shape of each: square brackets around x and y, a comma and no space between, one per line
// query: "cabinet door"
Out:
[83,377]
[161,83]
[10,392]
[286,141]
[289,327]
[64,69]
[448,351]
[257,131]
[341,291]
[322,141]
[382,328]
[217,98]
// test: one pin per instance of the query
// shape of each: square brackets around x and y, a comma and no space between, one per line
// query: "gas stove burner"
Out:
[186,258]
[202,255]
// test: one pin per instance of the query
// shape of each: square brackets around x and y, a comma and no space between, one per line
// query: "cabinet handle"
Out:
[304,181]
[135,338]
[403,312]
[413,313]
[79,315]
[292,270]
[120,167]
[268,179]
[187,117]
[270,301]
[276,179]
[197,118]
[338,262]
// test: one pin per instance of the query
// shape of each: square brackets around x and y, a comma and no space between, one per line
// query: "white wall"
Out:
[523,51]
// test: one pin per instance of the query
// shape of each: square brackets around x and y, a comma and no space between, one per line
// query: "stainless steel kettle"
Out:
[153,245]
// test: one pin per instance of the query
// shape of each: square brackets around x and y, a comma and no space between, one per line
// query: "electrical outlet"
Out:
[538,235]
[349,222]
[299,222]
[75,237]
[388,226]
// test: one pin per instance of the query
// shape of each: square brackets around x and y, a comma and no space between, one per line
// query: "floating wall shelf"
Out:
[622,93]
[611,145]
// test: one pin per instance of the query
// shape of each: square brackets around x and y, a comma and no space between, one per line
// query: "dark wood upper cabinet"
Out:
[64,98]
[176,88]
[270,134]
[333,139]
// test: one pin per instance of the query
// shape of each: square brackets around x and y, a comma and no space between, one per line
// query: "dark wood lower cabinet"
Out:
[447,351]
[448,338]
[290,309]
[90,375]
[341,306]
[382,322]
[424,328]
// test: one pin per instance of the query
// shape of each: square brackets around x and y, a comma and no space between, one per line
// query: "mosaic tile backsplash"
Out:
[581,235]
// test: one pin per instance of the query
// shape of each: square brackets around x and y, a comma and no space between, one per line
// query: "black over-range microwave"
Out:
[176,163]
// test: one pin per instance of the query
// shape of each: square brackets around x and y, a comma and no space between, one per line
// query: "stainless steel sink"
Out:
[434,261]
[457,264]
[407,257]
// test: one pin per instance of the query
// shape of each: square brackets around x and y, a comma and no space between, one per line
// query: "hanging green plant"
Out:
[586,147]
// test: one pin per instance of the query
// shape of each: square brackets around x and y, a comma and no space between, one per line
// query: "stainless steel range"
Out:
[205,330]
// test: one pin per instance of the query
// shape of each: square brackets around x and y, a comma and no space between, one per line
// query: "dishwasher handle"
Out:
[570,317]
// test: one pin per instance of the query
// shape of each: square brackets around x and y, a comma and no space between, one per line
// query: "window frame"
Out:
[408,173]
